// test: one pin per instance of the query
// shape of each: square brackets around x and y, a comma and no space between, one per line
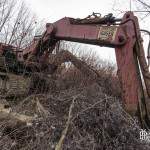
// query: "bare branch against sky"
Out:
[17,23]
[147,6]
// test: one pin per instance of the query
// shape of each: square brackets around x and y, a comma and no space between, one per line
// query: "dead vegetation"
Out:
[76,114]
[76,118]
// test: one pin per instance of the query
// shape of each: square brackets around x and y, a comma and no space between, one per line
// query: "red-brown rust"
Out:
[127,68]
[123,41]
[123,37]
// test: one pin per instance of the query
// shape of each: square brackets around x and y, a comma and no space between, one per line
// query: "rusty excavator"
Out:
[123,34]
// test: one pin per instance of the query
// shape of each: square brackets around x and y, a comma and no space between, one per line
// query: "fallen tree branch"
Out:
[60,143]
[6,113]
[41,109]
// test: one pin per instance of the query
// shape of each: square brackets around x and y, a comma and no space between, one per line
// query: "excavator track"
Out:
[17,85]
[12,84]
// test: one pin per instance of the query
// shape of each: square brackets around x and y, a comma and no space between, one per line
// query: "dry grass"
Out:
[76,114]
[97,122]
[72,77]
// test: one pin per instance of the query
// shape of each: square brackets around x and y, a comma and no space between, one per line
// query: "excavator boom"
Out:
[122,34]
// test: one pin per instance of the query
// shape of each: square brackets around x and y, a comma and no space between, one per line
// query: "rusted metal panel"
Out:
[30,48]
[10,48]
[90,34]
[127,68]
[107,33]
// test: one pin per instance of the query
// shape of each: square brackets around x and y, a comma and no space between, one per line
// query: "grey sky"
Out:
[53,10]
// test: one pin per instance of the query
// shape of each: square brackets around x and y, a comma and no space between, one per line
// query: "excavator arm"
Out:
[123,35]
[70,29]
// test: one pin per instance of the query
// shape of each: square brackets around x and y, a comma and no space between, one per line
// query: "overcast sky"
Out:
[56,9]
[53,10]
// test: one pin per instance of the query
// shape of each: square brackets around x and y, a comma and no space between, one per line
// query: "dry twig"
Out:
[60,143]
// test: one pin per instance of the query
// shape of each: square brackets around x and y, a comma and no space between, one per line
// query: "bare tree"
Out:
[144,3]
[17,23]
[6,9]
[140,7]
